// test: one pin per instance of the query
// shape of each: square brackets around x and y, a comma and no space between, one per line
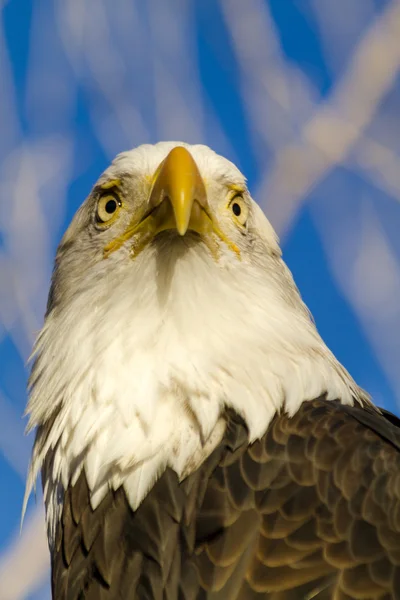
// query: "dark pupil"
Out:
[111,206]
[236,209]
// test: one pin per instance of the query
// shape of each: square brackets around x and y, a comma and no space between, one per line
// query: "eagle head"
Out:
[170,303]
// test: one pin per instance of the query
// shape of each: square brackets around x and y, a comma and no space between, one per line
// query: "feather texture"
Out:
[311,510]
[181,452]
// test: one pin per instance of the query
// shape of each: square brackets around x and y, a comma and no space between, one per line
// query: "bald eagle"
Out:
[196,437]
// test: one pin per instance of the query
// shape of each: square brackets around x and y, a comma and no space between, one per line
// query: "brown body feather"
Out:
[312,510]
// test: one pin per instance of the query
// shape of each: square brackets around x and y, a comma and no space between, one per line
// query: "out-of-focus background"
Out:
[303,95]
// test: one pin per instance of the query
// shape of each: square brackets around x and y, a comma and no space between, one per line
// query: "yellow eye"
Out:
[239,208]
[107,208]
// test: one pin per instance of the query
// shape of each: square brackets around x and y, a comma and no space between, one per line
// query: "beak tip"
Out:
[182,228]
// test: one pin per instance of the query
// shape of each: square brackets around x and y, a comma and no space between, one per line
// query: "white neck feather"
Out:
[138,378]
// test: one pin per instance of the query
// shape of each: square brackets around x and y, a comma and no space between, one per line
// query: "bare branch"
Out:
[338,124]
[24,566]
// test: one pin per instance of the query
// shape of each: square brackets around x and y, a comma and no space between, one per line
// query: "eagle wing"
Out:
[311,510]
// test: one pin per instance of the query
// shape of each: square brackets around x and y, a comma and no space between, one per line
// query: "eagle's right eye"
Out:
[107,208]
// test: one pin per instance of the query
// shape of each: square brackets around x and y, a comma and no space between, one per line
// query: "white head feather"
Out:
[139,357]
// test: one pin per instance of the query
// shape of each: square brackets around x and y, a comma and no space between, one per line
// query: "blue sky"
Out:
[84,81]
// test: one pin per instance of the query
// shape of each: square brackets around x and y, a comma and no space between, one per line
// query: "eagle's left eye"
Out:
[239,208]
[107,208]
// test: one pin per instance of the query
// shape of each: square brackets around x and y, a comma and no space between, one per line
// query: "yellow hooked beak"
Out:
[178,201]
[179,186]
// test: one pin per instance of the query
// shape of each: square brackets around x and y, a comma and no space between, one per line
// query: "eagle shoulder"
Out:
[312,509]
